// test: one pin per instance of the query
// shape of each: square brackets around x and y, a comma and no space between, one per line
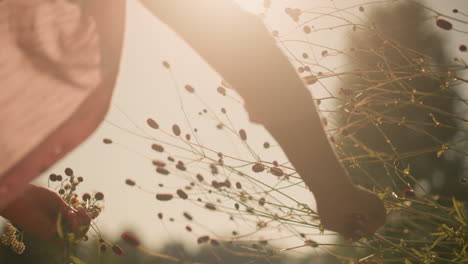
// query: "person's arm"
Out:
[238,46]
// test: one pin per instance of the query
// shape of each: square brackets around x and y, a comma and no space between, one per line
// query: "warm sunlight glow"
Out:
[253,6]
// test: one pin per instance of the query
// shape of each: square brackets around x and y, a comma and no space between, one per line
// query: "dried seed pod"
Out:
[444,24]
[130,239]
[86,197]
[181,166]
[189,88]
[262,201]
[214,169]
[103,247]
[130,182]
[164,196]
[68,172]
[166,64]
[221,90]
[310,79]
[242,134]
[203,239]
[277,171]
[238,185]
[258,167]
[157,147]
[188,216]
[311,243]
[210,206]
[176,130]
[99,196]
[153,124]
[159,163]
[199,177]
[215,184]
[227,183]
[182,194]
[117,250]
[162,170]
[52,177]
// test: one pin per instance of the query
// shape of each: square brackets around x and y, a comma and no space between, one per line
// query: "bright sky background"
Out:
[146,89]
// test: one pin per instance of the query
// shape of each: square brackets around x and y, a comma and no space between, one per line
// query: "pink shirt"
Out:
[49,63]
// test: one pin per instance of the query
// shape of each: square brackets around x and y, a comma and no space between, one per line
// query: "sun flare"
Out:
[253,6]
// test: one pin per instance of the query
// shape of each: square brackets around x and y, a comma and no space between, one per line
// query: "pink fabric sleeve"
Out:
[58,66]
[49,62]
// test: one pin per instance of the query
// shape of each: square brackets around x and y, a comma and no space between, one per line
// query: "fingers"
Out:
[26,213]
[37,210]
[78,221]
[355,216]
[358,227]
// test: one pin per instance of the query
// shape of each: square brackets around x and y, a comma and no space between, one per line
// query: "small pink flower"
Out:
[117,250]
[131,239]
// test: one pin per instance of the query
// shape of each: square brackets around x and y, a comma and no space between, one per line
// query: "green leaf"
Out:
[76,260]
[457,208]
[407,171]
[437,241]
[381,196]
[59,226]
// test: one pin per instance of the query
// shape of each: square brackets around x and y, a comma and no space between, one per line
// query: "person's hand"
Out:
[353,212]
[37,209]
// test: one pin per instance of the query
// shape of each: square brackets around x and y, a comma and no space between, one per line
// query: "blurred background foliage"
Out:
[41,253]
[399,121]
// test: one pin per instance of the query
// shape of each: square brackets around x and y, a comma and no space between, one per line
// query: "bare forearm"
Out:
[239,47]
